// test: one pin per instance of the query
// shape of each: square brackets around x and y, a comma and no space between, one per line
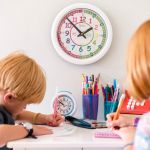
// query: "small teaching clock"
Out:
[66,104]
[81,33]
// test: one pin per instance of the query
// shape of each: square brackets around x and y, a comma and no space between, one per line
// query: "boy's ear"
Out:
[9,97]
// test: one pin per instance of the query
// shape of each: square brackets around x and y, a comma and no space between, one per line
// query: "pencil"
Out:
[55,106]
[122,98]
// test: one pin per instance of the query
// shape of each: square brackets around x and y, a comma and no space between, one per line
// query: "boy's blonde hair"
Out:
[138,63]
[22,76]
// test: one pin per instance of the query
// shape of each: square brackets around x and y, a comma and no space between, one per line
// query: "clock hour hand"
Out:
[61,102]
[76,28]
[82,33]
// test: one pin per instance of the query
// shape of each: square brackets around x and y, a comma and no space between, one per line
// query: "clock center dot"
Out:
[84,38]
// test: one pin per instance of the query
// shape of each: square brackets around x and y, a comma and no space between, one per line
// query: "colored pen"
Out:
[83,78]
[101,124]
[115,84]
[55,111]
[116,93]
[55,107]
[122,98]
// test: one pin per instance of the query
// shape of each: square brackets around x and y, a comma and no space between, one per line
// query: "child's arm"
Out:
[14,132]
[11,132]
[38,118]
[29,116]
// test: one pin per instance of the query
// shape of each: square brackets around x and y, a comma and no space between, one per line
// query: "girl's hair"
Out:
[22,76]
[138,63]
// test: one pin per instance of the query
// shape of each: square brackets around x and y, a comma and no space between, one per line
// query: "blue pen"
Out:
[115,84]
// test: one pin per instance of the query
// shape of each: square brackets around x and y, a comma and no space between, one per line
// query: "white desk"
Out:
[81,139]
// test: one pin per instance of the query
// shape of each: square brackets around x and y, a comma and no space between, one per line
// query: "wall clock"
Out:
[81,33]
[66,104]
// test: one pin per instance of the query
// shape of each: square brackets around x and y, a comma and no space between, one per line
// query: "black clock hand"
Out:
[61,103]
[82,34]
[76,28]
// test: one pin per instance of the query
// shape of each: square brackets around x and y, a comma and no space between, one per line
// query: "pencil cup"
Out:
[90,106]
[109,107]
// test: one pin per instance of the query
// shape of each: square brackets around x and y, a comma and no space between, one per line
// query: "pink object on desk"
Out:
[55,106]
[55,110]
[105,134]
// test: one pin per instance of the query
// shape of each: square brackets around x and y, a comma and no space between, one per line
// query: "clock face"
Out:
[65,104]
[83,34]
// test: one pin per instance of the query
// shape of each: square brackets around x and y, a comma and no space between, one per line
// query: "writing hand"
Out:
[82,33]
[76,28]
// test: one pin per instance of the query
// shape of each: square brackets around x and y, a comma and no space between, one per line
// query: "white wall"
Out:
[26,25]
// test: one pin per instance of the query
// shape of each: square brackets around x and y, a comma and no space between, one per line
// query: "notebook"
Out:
[105,133]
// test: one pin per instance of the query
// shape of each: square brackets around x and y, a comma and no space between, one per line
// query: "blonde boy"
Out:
[22,82]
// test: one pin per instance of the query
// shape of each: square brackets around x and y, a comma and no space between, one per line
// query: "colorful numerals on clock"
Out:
[82,33]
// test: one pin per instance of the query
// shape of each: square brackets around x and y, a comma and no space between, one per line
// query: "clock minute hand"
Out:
[82,34]
[76,27]
[61,103]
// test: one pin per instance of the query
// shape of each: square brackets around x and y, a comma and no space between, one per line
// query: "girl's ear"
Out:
[9,97]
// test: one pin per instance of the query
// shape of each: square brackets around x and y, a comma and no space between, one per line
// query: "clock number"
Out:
[96,27]
[99,46]
[80,49]
[82,19]
[68,41]
[88,48]
[67,33]
[68,25]
[74,19]
[94,42]
[73,46]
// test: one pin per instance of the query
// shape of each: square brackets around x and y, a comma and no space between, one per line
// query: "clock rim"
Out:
[66,56]
[68,94]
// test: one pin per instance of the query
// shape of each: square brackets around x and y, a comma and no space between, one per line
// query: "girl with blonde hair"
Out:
[138,81]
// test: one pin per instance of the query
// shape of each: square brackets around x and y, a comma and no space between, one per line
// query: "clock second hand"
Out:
[76,28]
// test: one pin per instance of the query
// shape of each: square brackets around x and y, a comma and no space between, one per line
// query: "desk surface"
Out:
[80,138]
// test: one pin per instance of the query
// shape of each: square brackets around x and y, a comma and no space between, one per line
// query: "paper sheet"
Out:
[64,130]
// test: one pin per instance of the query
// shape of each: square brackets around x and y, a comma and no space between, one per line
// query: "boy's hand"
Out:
[55,119]
[51,119]
[41,130]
